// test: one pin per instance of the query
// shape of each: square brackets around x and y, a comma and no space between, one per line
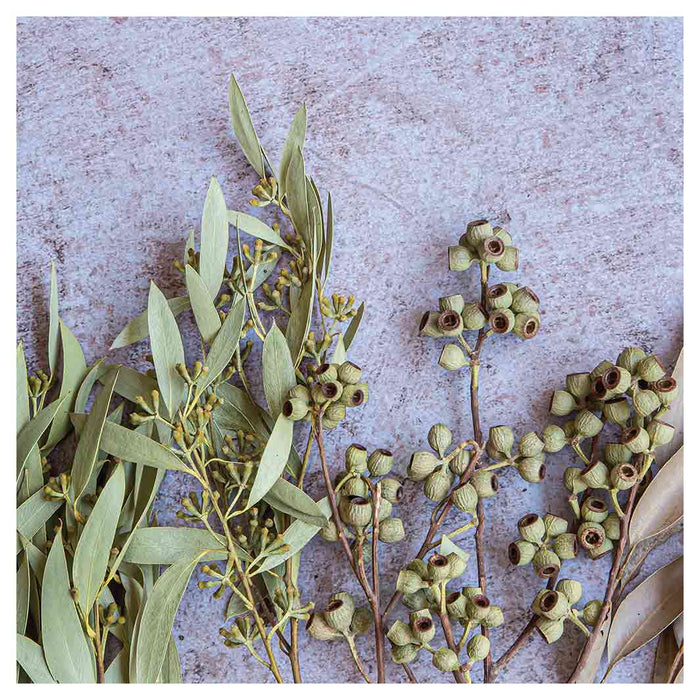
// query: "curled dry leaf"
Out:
[666,650]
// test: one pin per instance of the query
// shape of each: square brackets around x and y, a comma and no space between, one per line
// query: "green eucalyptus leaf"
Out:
[238,412]
[66,647]
[243,127]
[34,512]
[254,227]
[205,313]
[22,389]
[328,244]
[315,215]
[166,346]
[31,433]
[130,383]
[118,670]
[35,557]
[235,606]
[287,498]
[54,321]
[447,546]
[83,394]
[214,240]
[340,355]
[354,324]
[167,545]
[277,369]
[295,189]
[23,584]
[273,460]
[30,657]
[300,319]
[295,140]
[95,543]
[170,672]
[188,247]
[137,328]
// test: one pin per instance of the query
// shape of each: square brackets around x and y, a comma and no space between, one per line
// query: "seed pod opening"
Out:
[666,389]
[498,296]
[450,323]
[295,409]
[423,628]
[532,469]
[594,510]
[353,395]
[617,380]
[339,611]
[550,604]
[478,607]
[331,390]
[428,325]
[623,476]
[531,528]
[326,373]
[526,326]
[492,250]
[502,321]
[636,440]
[605,548]
[439,567]
[591,535]
[485,483]
[521,552]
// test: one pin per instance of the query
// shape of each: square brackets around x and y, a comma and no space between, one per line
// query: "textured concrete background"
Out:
[566,131]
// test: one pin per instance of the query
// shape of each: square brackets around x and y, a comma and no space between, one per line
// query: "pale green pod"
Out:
[416,601]
[404,654]
[532,469]
[527,326]
[422,626]
[456,604]
[356,458]
[391,530]
[439,568]
[552,605]
[329,424]
[617,380]
[335,412]
[421,465]
[596,475]
[525,301]
[409,582]
[650,369]
[457,565]
[400,634]
[440,438]
[355,486]
[555,525]
[354,395]
[550,630]
[339,611]
[666,389]
[579,384]
[361,621]
[326,373]
[623,476]
[450,323]
[565,546]
[600,369]
[645,402]
[445,660]
[591,612]
[636,440]
[471,591]
[474,317]
[502,234]
[295,409]
[498,296]
[502,321]
[465,498]
[349,373]
[562,403]
[571,589]
[478,648]
[494,618]
[510,260]
[629,358]
[573,482]
[612,526]
[605,548]
[437,485]
[616,453]
[485,483]
[521,552]
[454,302]
[328,391]
[433,595]
[318,628]
[617,411]
[420,567]
[460,258]
[569,428]
[532,528]
[591,535]
[300,392]
[380,462]
[530,445]
[554,438]
[478,607]
[391,490]
[460,462]
[428,325]
[329,532]
[501,438]
[660,433]
[478,231]
[452,358]
[383,510]
[600,393]
[492,249]
[594,510]
[546,563]
[355,511]
[588,424]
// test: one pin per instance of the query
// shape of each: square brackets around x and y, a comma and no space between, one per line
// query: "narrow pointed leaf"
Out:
[214,239]
[171,672]
[273,460]
[354,324]
[167,545]
[289,499]
[278,370]
[32,431]
[300,320]
[30,657]
[295,140]
[54,331]
[22,389]
[295,189]
[254,227]
[23,583]
[205,312]
[118,670]
[339,354]
[130,383]
[35,557]
[243,127]
[238,411]
[328,245]
[666,650]
[447,546]
[137,328]
[83,394]
[34,512]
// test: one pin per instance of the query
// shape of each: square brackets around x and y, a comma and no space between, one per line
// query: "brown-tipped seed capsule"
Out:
[400,634]
[616,453]
[498,297]
[440,438]
[636,440]
[339,611]
[485,483]
[361,621]
[454,302]
[438,485]
[438,568]
[591,535]
[629,358]
[510,260]
[349,373]
[502,321]
[600,369]
[532,469]
[594,510]
[474,317]
[460,258]
[587,424]
[428,325]
[599,391]
[456,604]
[521,552]
[492,250]
[391,490]
[562,403]
[356,458]
[422,626]
[335,413]
[605,548]
[617,411]
[552,605]
[650,369]
[623,476]
[404,654]
[477,231]
[595,475]
[550,630]
[532,528]
[530,445]
[666,389]
[452,358]
[502,234]
[422,464]
[660,433]
[591,612]
[353,395]
[565,546]
[409,581]
[572,589]
[579,384]
[645,402]
[465,498]
[611,525]
[328,391]
[526,326]
[501,440]
[420,567]
[326,373]
[450,323]
[554,525]
[554,438]
[617,379]
[478,607]
[457,565]
[300,392]
[472,591]
[355,511]
[545,563]
[380,462]
[478,648]
[494,618]
[391,530]
[525,301]
[295,409]
[318,628]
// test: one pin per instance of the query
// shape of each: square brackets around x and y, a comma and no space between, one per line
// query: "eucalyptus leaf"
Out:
[23,583]
[295,190]
[273,460]
[254,227]
[287,498]
[170,672]
[30,435]
[22,389]
[243,127]
[300,320]
[315,210]
[168,545]
[666,650]
[294,141]
[279,377]
[137,328]
[166,346]
[590,669]
[118,670]
[83,393]
[235,606]
[130,383]
[328,243]
[30,657]
[238,411]
[34,512]
[35,557]
[447,546]
[213,249]
[339,354]
[205,313]
[66,647]
[54,338]
[354,324]
[189,246]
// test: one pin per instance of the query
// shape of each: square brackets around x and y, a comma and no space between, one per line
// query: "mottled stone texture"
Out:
[566,131]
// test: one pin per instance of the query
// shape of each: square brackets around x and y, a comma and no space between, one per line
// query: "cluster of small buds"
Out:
[192,261]
[39,384]
[340,620]
[439,469]
[111,615]
[265,192]
[241,633]
[338,308]
[544,543]
[358,495]
[58,488]
[331,388]
[194,510]
[528,458]
[553,608]
[484,243]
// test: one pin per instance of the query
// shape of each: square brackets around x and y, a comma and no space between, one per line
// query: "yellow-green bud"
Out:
[605,548]
[460,258]
[502,321]
[498,297]
[636,440]
[465,498]
[409,581]
[616,453]
[552,605]
[501,440]
[391,490]
[591,535]
[588,424]
[525,301]
[474,317]
[645,402]
[595,475]
[380,462]
[478,647]
[422,626]
[384,509]
[521,552]
[629,358]
[591,612]
[660,433]
[400,634]
[526,326]
[666,389]
[428,325]
[404,654]
[452,358]
[454,302]
[594,510]
[494,618]
[440,438]
[339,611]
[438,485]
[562,403]
[361,621]
[555,525]
[612,526]
[355,511]
[623,476]
[445,660]
[650,369]
[510,259]
[554,438]
[617,411]
[573,590]
[565,546]
[550,630]
[391,530]
[356,458]
[579,384]
[439,568]
[349,373]
[472,591]
[532,528]
[545,563]
[532,469]
[530,445]
[318,628]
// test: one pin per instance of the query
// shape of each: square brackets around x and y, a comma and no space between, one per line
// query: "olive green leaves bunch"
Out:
[552,608]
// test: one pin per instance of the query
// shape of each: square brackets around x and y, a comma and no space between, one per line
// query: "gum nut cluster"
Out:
[544,543]
[528,455]
[438,469]
[330,388]
[356,500]
[340,620]
[553,608]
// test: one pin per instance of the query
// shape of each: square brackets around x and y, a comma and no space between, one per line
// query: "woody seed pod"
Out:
[437,485]
[454,302]
[422,626]
[591,612]
[573,590]
[465,498]
[353,395]
[391,490]
[498,297]
[421,465]
[329,424]
[383,510]
[615,453]
[623,476]
[532,528]
[391,530]
[605,548]
[502,321]
[452,358]
[645,402]
[565,546]
[445,660]
[492,250]
[617,380]
[400,634]
[550,630]
[501,439]
[457,565]
[361,621]
[300,391]
[456,604]
[477,231]
[636,440]
[349,373]
[562,403]
[587,424]
[339,611]
[318,628]
[380,462]
[554,438]
[591,535]
[552,605]
[416,601]
[660,433]
[600,369]
[355,486]
[355,511]
[474,317]
[545,563]
[494,618]
[478,607]
[478,648]
[460,258]
[295,409]
[326,373]
[428,325]
[525,301]
[629,358]
[569,429]
[438,568]
[460,462]
[666,389]
[420,567]
[329,532]
[440,438]
[509,261]
[611,525]
[335,412]
[409,581]
[594,510]
[532,469]
[579,384]
[554,525]
[485,483]
[328,391]
[526,326]
[356,458]
[599,390]
[573,482]
[650,369]
[617,411]
[471,591]
[450,323]
[405,654]
[502,234]
[521,552]
[595,475]
[530,445]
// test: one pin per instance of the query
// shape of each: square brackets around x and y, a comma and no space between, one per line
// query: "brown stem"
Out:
[449,638]
[293,652]
[98,647]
